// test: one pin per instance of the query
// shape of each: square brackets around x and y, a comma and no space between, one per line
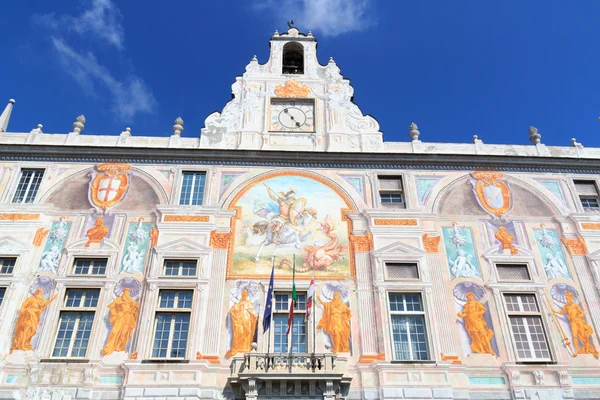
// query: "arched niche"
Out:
[72,193]
[293,59]
[458,198]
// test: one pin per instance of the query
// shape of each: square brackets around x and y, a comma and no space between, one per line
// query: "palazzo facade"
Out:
[136,267]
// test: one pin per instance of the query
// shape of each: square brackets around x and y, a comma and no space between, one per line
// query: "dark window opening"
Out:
[293,59]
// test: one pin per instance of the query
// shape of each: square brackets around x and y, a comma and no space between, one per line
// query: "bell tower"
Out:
[292,103]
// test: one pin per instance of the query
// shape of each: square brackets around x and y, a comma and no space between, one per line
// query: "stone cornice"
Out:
[295,159]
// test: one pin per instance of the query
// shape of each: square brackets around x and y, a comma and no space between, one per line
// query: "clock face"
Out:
[292,115]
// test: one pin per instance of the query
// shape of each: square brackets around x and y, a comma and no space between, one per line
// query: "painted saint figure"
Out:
[579,328]
[506,241]
[123,317]
[28,321]
[243,322]
[472,313]
[97,233]
[336,323]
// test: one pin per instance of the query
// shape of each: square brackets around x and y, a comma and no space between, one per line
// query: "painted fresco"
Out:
[553,258]
[285,216]
[54,246]
[135,247]
[570,318]
[476,331]
[460,252]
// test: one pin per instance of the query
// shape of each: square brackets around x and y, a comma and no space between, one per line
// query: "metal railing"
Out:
[263,363]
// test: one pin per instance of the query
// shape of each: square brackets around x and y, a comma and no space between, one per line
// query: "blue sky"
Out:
[456,68]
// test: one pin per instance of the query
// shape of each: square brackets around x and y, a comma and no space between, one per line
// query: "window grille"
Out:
[404,271]
[513,272]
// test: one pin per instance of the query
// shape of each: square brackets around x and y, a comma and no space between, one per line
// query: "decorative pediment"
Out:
[10,245]
[399,250]
[182,247]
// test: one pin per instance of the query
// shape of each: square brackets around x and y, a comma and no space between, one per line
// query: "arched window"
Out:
[293,58]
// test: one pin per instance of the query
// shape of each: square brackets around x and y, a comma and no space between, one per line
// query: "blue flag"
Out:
[268,304]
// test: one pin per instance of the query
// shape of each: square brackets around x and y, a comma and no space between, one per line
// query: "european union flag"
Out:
[268,304]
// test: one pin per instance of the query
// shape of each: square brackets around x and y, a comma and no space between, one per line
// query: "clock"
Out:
[289,115]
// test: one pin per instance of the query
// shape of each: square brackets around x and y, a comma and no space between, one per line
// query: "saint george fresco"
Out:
[287,215]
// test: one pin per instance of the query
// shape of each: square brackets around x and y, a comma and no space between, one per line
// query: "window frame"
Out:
[285,313]
[581,197]
[14,267]
[157,310]
[64,309]
[182,173]
[426,324]
[539,314]
[402,191]
[76,258]
[505,263]
[181,260]
[415,262]
[17,182]
[5,288]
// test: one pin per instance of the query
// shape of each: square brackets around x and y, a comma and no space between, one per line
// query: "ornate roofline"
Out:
[297,159]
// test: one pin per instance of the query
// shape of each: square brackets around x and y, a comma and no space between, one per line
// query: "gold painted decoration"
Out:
[361,244]
[369,358]
[243,323]
[186,218]
[492,193]
[28,321]
[40,235]
[580,329]
[576,247]
[452,358]
[475,325]
[336,323]
[220,240]
[19,217]
[431,243]
[590,225]
[506,240]
[109,185]
[97,233]
[396,222]
[210,359]
[153,237]
[292,88]
[123,318]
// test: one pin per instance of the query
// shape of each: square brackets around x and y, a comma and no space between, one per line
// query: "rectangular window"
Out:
[29,184]
[75,323]
[402,271]
[527,328]
[588,194]
[172,324]
[192,188]
[89,266]
[180,268]
[299,328]
[408,327]
[2,293]
[390,191]
[7,265]
[513,272]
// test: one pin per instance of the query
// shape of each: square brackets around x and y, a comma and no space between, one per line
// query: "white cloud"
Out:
[128,96]
[102,21]
[329,17]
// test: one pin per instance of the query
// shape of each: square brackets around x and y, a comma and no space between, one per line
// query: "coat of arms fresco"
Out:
[282,215]
[109,185]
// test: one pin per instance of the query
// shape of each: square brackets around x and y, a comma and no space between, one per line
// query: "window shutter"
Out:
[402,271]
[390,183]
[513,272]
[586,188]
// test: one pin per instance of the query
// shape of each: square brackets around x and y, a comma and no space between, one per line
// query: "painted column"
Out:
[219,241]
[436,269]
[361,246]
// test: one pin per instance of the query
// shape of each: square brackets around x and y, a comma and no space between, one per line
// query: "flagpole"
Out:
[292,319]
[313,317]
[269,336]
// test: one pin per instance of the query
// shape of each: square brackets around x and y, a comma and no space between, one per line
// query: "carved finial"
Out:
[413,131]
[5,116]
[178,127]
[254,59]
[276,33]
[254,346]
[534,136]
[476,139]
[79,124]
[126,132]
[331,61]
[310,34]
[38,129]
[575,143]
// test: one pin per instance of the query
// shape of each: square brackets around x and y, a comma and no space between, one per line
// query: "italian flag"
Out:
[310,296]
[294,299]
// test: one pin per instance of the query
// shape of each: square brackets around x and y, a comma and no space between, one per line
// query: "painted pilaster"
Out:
[214,326]
[366,303]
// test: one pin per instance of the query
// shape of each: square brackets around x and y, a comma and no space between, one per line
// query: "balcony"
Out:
[306,376]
